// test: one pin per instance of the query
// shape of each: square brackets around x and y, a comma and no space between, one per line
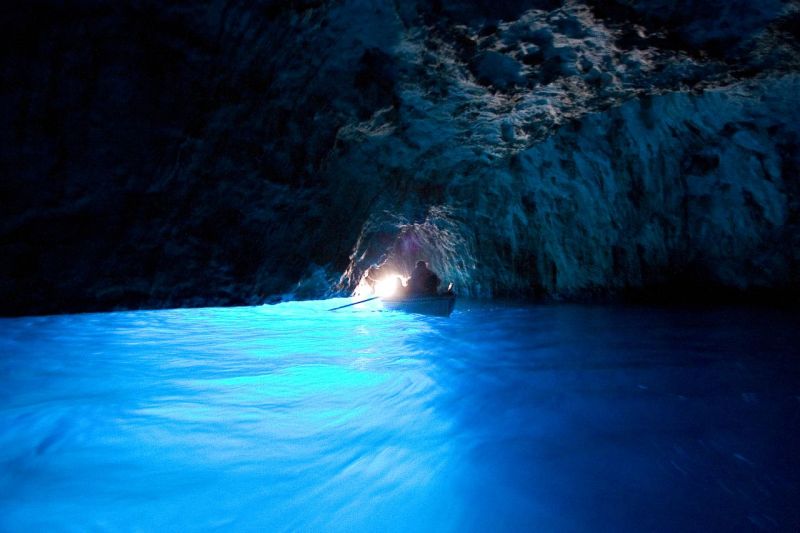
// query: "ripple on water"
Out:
[290,417]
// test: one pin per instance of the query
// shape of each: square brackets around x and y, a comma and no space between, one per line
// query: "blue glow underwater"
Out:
[503,417]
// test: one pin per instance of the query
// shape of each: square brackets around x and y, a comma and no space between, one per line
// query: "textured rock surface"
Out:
[222,153]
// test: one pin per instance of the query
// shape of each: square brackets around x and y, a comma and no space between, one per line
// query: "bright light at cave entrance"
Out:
[386,286]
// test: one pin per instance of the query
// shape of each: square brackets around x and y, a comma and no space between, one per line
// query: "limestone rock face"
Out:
[610,213]
[217,152]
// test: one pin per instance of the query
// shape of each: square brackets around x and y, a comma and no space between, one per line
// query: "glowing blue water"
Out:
[289,417]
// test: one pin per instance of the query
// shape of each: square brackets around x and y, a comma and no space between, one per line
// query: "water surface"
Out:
[502,417]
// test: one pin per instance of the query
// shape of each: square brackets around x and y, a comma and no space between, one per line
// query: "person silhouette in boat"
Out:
[423,282]
[400,290]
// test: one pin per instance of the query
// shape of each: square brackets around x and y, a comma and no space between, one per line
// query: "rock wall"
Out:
[225,153]
[694,189]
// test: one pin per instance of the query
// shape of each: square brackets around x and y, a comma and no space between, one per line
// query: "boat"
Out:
[434,305]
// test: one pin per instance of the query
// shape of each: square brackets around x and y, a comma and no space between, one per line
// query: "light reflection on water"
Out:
[290,417]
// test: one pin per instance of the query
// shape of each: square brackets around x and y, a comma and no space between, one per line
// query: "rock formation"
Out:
[227,153]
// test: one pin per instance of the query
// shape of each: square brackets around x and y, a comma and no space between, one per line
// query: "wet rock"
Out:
[717,26]
[542,37]
[498,70]
[532,55]
[507,131]
[207,153]
[568,25]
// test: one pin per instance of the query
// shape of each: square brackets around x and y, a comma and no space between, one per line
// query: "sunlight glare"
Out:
[386,286]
